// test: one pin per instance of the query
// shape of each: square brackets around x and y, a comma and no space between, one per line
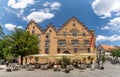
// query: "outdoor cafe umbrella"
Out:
[41,56]
[63,55]
[59,56]
[87,54]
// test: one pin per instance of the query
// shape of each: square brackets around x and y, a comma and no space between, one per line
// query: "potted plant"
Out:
[36,59]
[65,61]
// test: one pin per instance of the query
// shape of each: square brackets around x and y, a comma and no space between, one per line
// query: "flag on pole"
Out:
[91,40]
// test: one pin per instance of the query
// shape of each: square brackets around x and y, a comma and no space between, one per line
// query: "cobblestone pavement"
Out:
[109,71]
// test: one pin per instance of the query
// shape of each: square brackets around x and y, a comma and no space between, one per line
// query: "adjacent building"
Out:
[73,37]
[104,50]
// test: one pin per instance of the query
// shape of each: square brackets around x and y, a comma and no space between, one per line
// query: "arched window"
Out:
[47,50]
[58,50]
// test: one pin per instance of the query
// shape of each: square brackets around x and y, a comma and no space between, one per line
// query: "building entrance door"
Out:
[66,52]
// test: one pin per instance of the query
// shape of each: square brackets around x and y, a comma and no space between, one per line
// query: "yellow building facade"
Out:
[73,37]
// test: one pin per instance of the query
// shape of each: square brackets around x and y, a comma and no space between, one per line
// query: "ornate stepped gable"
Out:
[90,32]
[75,20]
[31,23]
[50,25]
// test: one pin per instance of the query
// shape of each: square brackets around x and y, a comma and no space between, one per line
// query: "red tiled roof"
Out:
[108,48]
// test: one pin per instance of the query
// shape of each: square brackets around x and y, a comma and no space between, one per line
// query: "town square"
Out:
[109,71]
[52,38]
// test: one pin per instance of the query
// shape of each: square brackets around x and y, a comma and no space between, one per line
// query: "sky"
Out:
[102,16]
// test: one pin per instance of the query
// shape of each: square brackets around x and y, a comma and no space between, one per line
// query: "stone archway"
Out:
[66,52]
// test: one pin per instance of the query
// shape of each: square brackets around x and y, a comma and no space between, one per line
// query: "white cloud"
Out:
[47,4]
[40,16]
[31,10]
[20,4]
[55,6]
[52,5]
[12,11]
[106,8]
[108,38]
[113,25]
[46,10]
[11,27]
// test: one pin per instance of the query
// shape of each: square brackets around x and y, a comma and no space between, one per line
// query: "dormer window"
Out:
[50,30]
[73,24]
[33,27]
[47,35]
[73,20]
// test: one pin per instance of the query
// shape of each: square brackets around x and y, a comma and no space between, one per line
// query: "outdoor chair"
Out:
[83,66]
[71,67]
[8,69]
[67,71]
[23,66]
[79,66]
[44,67]
[57,68]
[30,68]
[92,67]
[88,65]
[37,65]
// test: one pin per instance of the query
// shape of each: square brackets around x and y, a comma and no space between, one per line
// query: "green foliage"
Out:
[103,58]
[25,43]
[1,32]
[19,43]
[65,61]
[1,35]
[115,52]
[36,59]
[5,45]
[10,57]
[84,59]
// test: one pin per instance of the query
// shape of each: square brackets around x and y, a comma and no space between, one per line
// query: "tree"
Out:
[20,43]
[65,61]
[1,31]
[24,43]
[1,35]
[115,53]
[4,46]
[103,58]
